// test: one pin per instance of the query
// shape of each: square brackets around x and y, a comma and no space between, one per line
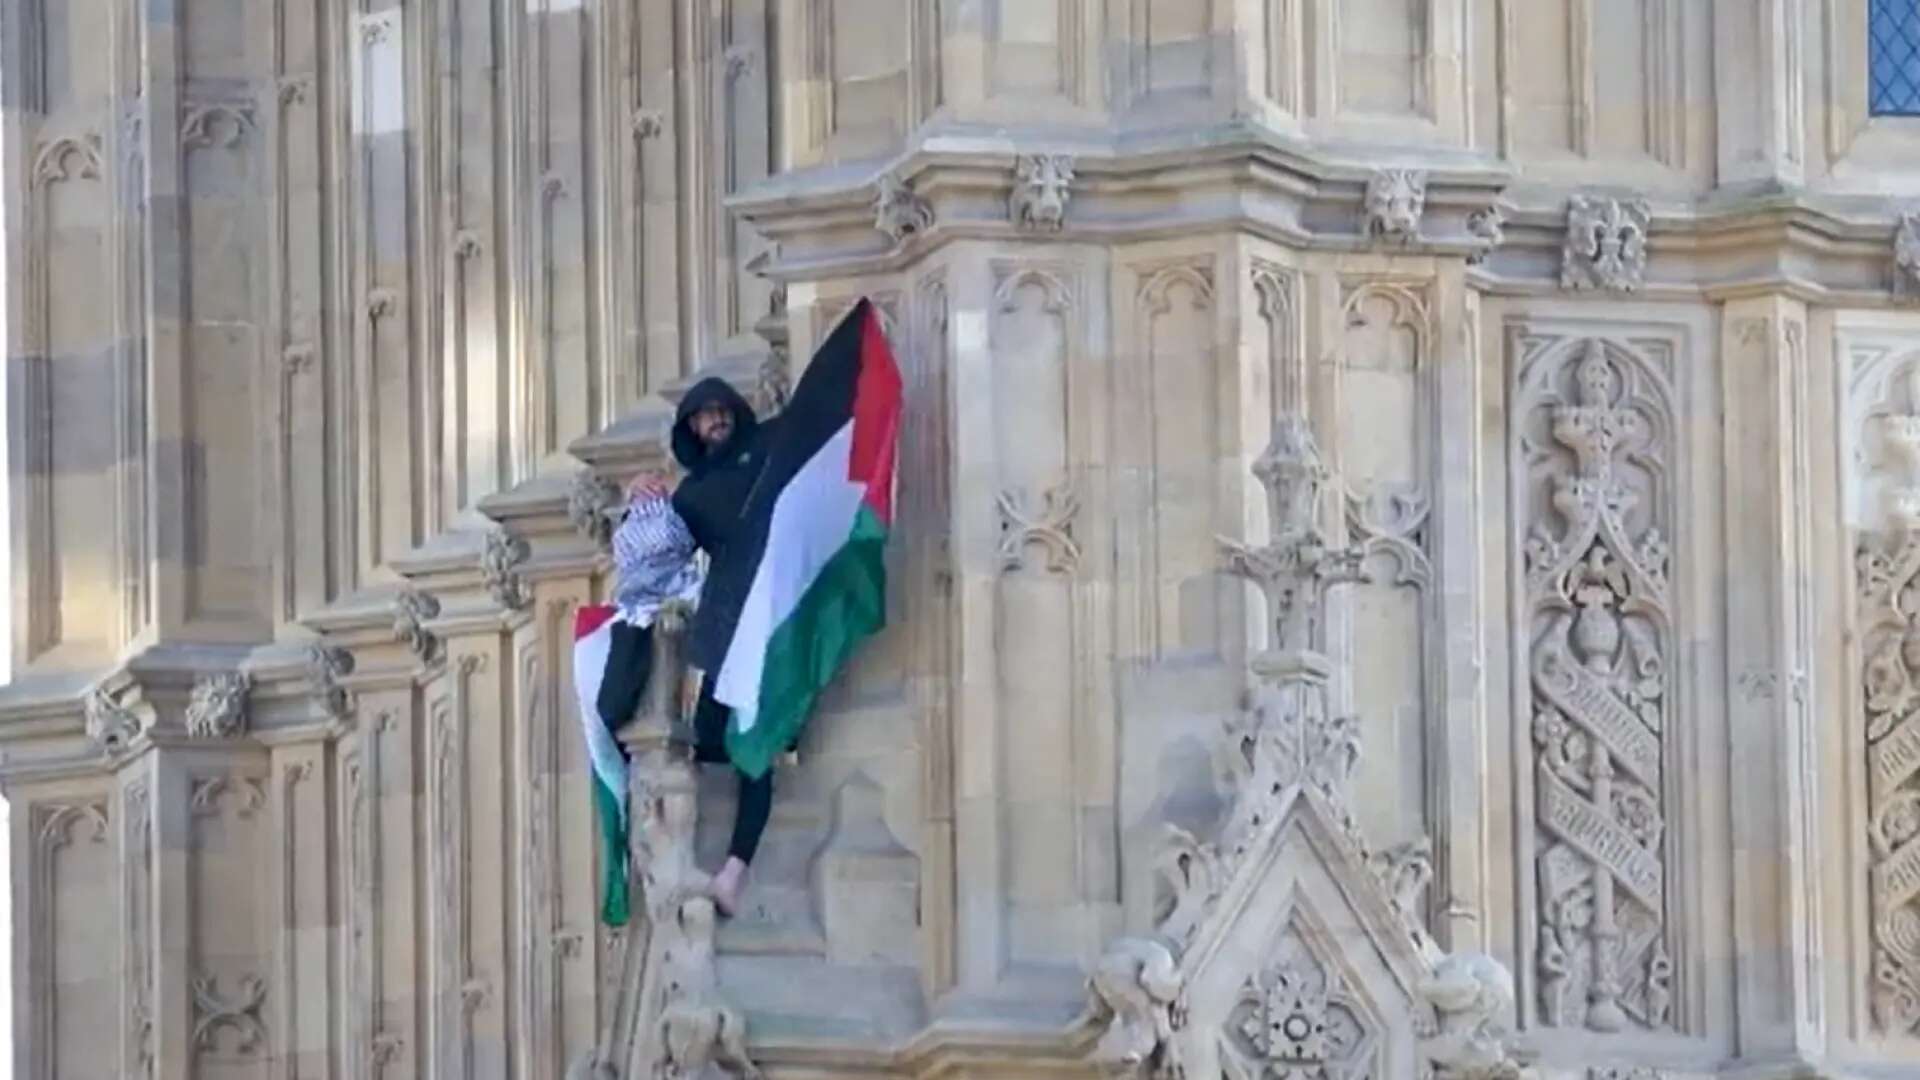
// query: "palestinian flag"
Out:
[592,640]
[809,568]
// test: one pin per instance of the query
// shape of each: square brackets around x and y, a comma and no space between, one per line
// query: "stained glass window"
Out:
[1893,58]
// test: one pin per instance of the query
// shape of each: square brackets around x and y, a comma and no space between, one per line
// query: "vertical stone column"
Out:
[1776,796]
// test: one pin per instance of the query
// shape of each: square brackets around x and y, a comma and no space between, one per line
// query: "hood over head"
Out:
[687,448]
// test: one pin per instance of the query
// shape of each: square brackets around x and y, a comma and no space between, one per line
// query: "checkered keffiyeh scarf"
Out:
[653,555]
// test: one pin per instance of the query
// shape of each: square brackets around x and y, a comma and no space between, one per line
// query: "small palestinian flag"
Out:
[592,640]
[810,569]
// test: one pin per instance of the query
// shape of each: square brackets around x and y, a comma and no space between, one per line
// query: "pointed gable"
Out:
[1287,949]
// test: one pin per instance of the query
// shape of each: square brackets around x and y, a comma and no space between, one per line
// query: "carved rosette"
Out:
[1596,424]
[1906,258]
[1606,244]
[1042,185]
[1888,570]
[1396,199]
[218,707]
[1297,1020]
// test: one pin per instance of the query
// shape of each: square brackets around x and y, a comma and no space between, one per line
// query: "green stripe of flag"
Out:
[845,604]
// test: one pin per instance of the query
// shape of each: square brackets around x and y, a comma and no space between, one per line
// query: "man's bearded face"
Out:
[713,424]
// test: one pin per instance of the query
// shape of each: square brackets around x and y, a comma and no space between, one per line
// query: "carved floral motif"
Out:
[1296,1020]
[1042,185]
[238,1012]
[1606,245]
[1888,568]
[1050,525]
[1597,597]
[1395,201]
[897,211]
[218,707]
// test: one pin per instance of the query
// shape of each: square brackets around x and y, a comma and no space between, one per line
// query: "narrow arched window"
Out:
[1893,58]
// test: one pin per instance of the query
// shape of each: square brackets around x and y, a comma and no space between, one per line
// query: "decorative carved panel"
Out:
[1884,401]
[1594,445]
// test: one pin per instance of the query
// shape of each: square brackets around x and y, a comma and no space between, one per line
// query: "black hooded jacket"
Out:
[713,496]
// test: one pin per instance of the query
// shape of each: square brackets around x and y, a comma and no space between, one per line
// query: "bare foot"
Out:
[726,886]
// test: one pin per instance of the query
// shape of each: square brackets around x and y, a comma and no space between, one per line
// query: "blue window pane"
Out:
[1893,58]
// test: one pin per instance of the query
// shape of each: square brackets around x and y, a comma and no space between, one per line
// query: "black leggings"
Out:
[629,659]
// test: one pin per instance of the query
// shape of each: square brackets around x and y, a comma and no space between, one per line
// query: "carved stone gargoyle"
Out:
[1286,947]
[669,1019]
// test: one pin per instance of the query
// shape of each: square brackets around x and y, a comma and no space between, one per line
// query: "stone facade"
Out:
[1576,343]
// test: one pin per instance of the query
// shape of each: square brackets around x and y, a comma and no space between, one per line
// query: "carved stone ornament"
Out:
[897,211]
[1488,228]
[411,610]
[1296,1020]
[668,1019]
[1471,995]
[1134,989]
[774,381]
[215,124]
[1906,258]
[1296,567]
[647,123]
[111,726]
[238,1013]
[1395,201]
[1288,762]
[1049,525]
[1606,245]
[1597,595]
[500,556]
[1404,870]
[218,707]
[590,498]
[1042,185]
[67,157]
[1888,568]
[326,666]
